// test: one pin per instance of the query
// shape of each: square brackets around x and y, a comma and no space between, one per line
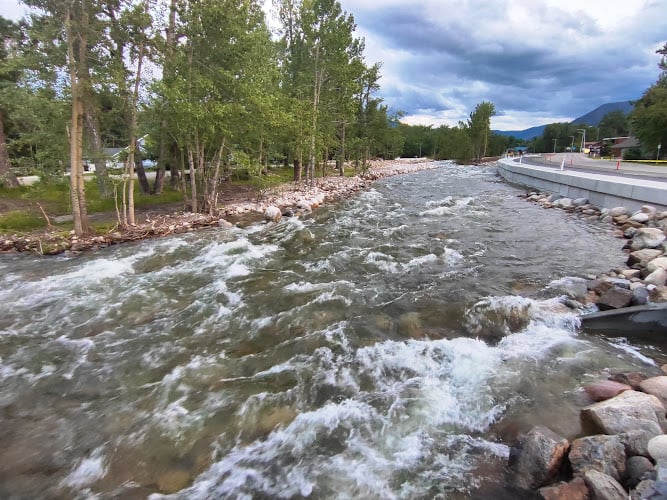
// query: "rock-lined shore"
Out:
[288,199]
[644,233]
[623,453]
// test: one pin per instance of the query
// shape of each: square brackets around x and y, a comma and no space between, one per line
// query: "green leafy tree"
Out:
[217,90]
[9,75]
[479,128]
[613,124]
[649,116]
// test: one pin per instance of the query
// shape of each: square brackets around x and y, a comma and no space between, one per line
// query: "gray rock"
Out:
[604,487]
[657,278]
[657,448]
[539,458]
[630,232]
[636,442]
[647,237]
[580,202]
[650,210]
[645,489]
[614,298]
[616,211]
[575,288]
[636,470]
[639,415]
[601,453]
[639,296]
[640,217]
[619,282]
[553,198]
[564,203]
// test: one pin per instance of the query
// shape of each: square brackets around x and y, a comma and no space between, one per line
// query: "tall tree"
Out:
[219,78]
[479,128]
[649,116]
[8,78]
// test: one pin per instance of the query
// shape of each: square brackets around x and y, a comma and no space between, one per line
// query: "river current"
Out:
[391,345]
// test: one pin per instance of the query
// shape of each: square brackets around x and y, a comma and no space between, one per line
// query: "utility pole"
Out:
[583,137]
[555,140]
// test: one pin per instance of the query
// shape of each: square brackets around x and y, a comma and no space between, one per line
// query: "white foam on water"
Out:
[622,344]
[88,470]
[422,261]
[438,212]
[453,257]
[383,262]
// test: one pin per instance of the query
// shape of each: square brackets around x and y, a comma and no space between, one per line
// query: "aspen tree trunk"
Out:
[133,138]
[77,190]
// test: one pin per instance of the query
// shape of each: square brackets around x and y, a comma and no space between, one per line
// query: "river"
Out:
[391,345]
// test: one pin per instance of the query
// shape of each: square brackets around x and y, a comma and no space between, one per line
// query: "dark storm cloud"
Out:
[526,57]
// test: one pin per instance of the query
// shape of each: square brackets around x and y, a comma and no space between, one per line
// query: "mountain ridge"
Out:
[591,118]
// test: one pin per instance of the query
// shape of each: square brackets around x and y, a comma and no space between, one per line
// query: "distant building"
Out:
[620,144]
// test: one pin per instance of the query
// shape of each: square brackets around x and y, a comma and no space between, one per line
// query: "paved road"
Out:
[581,162]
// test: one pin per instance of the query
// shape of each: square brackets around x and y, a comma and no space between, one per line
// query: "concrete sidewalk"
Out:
[602,184]
[580,161]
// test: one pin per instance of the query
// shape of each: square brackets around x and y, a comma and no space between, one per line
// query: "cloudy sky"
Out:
[538,61]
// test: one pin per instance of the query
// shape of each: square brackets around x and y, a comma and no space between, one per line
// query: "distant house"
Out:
[115,157]
[620,144]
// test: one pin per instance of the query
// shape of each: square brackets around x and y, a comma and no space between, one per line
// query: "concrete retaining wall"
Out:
[605,191]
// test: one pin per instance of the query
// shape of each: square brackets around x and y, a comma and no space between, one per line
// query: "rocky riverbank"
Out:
[644,235]
[285,200]
[623,454]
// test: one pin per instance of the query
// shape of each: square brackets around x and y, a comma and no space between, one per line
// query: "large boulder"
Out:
[638,415]
[539,458]
[647,237]
[602,453]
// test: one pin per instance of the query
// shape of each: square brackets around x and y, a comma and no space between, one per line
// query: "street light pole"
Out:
[572,147]
[555,144]
[583,138]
